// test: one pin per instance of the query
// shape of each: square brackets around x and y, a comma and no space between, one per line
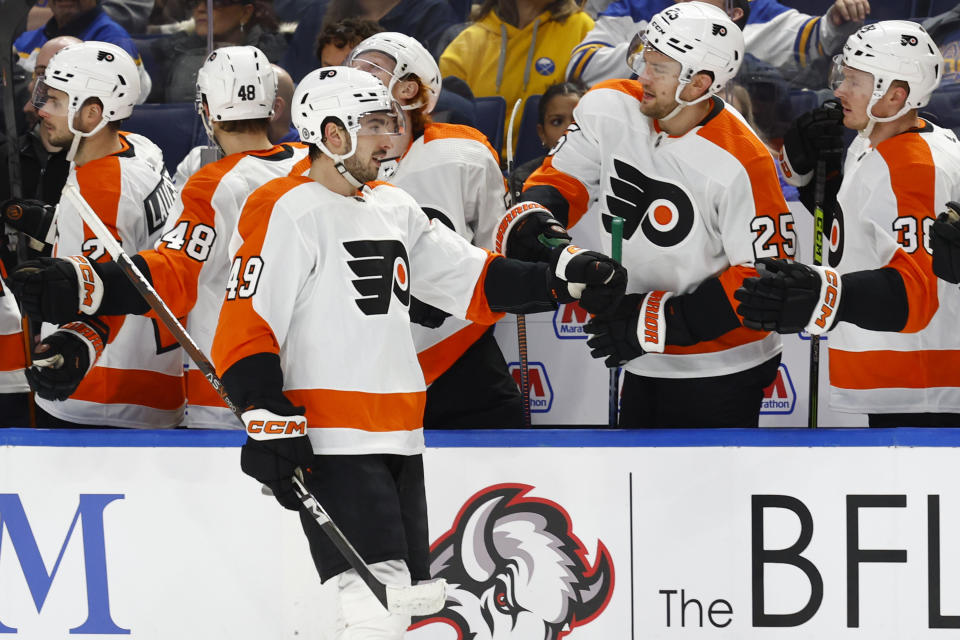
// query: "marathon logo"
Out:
[568,321]
[541,391]
[780,398]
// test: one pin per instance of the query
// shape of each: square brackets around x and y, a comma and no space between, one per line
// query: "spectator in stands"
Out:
[945,31]
[132,15]
[83,19]
[281,130]
[778,35]
[425,20]
[554,115]
[235,22]
[516,48]
[337,39]
[43,166]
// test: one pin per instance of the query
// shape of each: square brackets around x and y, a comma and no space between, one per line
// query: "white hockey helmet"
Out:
[355,98]
[700,36]
[411,58]
[237,83]
[893,50]
[87,70]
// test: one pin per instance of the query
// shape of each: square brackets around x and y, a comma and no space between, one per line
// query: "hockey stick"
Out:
[13,13]
[416,598]
[521,318]
[819,194]
[616,252]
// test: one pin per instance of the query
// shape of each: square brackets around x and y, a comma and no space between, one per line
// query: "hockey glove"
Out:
[277,444]
[945,244]
[57,289]
[529,232]
[63,358]
[426,315]
[789,297]
[33,218]
[815,134]
[622,336]
[594,279]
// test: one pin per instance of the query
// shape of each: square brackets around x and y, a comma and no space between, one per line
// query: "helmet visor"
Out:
[375,63]
[658,66]
[52,101]
[851,79]
[381,123]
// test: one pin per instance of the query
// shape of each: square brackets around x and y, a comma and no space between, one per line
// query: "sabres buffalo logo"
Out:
[382,268]
[662,211]
[514,569]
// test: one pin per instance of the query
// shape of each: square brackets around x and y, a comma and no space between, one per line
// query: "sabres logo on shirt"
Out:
[382,268]
[663,211]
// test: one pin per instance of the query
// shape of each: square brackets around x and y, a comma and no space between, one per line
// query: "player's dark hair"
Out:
[256,125]
[570,88]
[348,32]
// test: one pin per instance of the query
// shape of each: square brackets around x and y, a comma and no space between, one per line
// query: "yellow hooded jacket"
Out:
[497,59]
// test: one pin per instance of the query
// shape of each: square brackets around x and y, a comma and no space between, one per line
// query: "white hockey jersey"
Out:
[889,197]
[324,281]
[454,174]
[778,35]
[13,357]
[138,380]
[697,206]
[191,262]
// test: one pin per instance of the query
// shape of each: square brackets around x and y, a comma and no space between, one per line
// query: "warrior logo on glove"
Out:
[663,211]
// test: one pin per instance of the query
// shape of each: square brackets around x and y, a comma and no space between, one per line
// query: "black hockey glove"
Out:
[529,232]
[57,289]
[614,336]
[33,218]
[277,444]
[426,315]
[945,244]
[63,358]
[789,297]
[594,279]
[815,134]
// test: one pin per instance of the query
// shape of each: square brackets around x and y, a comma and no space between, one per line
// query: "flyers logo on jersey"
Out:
[663,211]
[835,237]
[382,268]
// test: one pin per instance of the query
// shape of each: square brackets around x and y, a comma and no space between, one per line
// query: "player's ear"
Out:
[407,89]
[334,136]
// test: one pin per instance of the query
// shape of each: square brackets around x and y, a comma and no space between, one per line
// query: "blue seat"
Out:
[940,6]
[528,142]
[944,107]
[892,10]
[491,115]
[174,127]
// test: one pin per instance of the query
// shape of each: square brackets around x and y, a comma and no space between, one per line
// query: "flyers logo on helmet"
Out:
[382,268]
[662,211]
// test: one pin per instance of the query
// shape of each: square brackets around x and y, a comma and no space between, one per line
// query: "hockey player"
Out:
[314,333]
[701,200]
[132,378]
[776,34]
[454,174]
[189,267]
[894,349]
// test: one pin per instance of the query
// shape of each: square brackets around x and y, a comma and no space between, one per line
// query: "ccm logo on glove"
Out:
[830,298]
[88,278]
[277,427]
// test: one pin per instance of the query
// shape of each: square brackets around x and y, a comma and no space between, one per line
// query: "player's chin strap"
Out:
[681,103]
[356,184]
